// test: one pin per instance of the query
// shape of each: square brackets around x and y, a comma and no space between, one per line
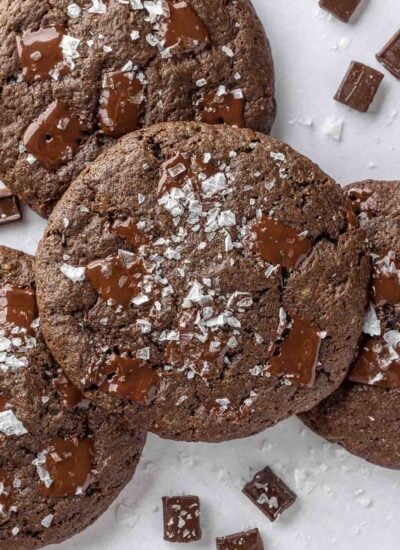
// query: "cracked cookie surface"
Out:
[76,76]
[363,415]
[62,459]
[205,279]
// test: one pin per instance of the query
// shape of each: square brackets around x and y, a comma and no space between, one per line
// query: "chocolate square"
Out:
[269,493]
[389,56]
[342,9]
[181,518]
[246,540]
[9,206]
[359,86]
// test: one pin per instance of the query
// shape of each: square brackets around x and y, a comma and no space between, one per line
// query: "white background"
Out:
[344,503]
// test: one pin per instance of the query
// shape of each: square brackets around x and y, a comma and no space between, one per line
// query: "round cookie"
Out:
[62,460]
[76,76]
[363,415]
[204,278]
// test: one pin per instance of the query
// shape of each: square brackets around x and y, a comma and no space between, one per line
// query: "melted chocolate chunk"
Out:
[191,350]
[227,108]
[40,54]
[359,87]
[342,9]
[70,396]
[181,519]
[128,230]
[386,284]
[120,103]
[376,364]
[389,56]
[119,278]
[69,464]
[6,490]
[295,358]
[181,168]
[9,206]
[246,540]
[128,378]
[269,493]
[54,137]
[17,306]
[184,31]
[277,243]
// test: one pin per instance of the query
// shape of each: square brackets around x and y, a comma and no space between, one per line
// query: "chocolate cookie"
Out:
[204,278]
[76,76]
[363,415]
[62,460]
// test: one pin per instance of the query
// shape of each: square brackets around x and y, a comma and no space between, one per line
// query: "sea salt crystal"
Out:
[47,521]
[279,157]
[227,51]
[74,274]
[223,403]
[73,11]
[10,425]
[371,325]
[69,47]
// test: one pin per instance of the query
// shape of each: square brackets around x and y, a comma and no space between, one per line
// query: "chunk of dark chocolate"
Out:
[9,206]
[181,518]
[246,540]
[342,9]
[359,86]
[389,56]
[269,493]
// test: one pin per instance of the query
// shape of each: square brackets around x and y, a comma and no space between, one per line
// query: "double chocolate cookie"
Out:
[204,278]
[75,76]
[363,415]
[62,460]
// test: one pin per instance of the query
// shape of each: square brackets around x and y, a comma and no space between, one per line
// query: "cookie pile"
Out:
[197,278]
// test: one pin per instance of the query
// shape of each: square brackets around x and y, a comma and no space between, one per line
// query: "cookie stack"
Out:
[199,280]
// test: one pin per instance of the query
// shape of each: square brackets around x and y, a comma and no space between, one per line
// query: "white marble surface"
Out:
[344,503]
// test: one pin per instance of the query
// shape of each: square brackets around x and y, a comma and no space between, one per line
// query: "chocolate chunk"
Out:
[54,137]
[377,364]
[359,87]
[342,9]
[247,540]
[120,103]
[181,519]
[223,107]
[40,53]
[119,278]
[389,56]
[70,396]
[184,31]
[9,206]
[17,307]
[277,243]
[128,378]
[69,464]
[295,355]
[269,493]
[386,281]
